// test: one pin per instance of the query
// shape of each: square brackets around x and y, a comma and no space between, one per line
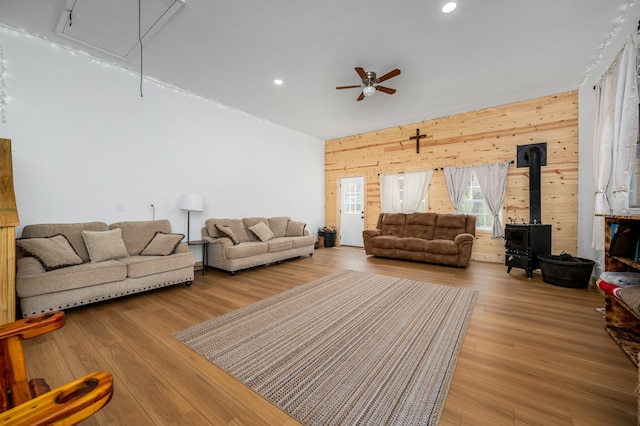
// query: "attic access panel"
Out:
[111,26]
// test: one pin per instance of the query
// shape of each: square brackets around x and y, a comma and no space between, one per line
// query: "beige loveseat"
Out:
[444,239]
[236,244]
[60,266]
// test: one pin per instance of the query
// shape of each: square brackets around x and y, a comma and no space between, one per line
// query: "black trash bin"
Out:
[329,238]
[326,237]
[566,270]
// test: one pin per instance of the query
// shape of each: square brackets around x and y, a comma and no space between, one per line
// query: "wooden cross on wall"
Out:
[417,138]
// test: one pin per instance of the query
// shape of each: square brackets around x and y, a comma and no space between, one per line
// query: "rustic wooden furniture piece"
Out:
[8,222]
[30,402]
[621,322]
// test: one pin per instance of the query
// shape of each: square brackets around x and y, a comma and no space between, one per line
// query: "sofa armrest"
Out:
[28,266]
[367,235]
[204,233]
[371,233]
[34,326]
[461,238]
[222,241]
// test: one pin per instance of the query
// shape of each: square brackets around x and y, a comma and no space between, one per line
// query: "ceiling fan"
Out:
[370,82]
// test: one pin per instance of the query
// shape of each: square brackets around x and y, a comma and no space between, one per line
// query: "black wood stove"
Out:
[525,241]
[523,245]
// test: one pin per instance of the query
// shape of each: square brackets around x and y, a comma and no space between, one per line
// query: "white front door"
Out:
[351,211]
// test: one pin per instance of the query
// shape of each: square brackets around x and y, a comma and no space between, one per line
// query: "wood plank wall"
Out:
[484,136]
[8,222]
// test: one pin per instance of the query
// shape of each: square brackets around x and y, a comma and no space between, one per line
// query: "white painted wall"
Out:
[586,129]
[84,140]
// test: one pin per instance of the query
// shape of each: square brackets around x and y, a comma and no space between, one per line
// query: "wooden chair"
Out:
[31,402]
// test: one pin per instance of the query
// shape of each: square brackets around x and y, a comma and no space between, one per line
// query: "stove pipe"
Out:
[533,156]
[535,201]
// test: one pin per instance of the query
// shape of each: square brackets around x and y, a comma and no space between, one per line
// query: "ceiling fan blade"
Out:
[389,75]
[348,87]
[361,73]
[386,90]
[361,97]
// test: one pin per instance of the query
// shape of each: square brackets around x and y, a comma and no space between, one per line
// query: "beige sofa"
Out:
[445,239]
[61,266]
[236,244]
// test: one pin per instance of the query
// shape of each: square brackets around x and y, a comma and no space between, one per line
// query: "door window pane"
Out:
[352,198]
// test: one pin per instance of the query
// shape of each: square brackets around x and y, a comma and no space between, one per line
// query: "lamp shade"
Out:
[369,91]
[192,202]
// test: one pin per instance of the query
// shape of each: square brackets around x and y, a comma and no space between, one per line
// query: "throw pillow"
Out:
[105,245]
[227,232]
[52,252]
[162,244]
[262,231]
[295,229]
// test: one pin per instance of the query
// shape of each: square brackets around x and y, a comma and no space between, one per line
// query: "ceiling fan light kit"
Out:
[369,91]
[370,83]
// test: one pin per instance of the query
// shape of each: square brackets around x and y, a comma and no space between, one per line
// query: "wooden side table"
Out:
[205,245]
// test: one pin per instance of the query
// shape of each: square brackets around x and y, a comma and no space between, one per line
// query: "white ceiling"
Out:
[486,53]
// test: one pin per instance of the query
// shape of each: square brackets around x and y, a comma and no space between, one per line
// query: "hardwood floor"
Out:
[534,353]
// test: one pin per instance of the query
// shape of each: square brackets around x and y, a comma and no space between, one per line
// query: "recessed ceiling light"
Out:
[278,82]
[449,7]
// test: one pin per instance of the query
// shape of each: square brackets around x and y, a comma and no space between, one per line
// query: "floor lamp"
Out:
[191,203]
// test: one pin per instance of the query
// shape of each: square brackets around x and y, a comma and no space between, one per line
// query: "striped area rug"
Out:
[350,348]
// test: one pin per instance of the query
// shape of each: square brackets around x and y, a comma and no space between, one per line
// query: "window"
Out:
[352,198]
[634,196]
[422,207]
[474,204]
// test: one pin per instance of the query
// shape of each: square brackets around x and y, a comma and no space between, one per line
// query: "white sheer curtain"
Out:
[457,182]
[415,189]
[389,193]
[616,136]
[492,179]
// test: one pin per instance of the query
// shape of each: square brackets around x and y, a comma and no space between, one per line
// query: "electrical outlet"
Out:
[120,206]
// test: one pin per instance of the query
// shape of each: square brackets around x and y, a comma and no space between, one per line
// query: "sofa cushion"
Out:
[420,225]
[384,242]
[246,250]
[105,245]
[393,224]
[279,244]
[298,242]
[236,226]
[162,244]
[142,266]
[72,277]
[449,225]
[262,231]
[52,252]
[227,232]
[73,232]
[411,244]
[137,234]
[295,229]
[441,247]
[279,225]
